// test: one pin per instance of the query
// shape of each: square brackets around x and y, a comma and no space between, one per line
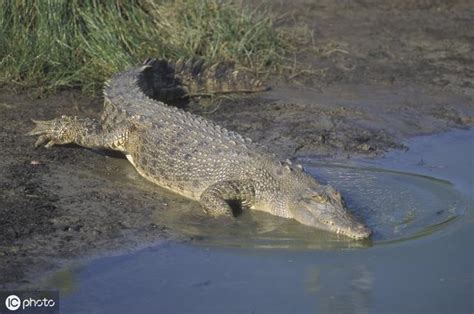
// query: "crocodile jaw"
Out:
[330,216]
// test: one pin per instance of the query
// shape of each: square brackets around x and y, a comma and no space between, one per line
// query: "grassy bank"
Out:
[78,43]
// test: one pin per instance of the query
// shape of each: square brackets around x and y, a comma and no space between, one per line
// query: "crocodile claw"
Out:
[45,130]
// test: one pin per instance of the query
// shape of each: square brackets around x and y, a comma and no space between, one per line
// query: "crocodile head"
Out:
[301,197]
[322,207]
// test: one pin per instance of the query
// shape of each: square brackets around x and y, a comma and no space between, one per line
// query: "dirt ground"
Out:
[382,73]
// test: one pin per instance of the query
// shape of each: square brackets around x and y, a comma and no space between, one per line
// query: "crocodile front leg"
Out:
[217,198]
[84,132]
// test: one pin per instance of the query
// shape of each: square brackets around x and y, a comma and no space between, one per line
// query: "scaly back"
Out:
[138,93]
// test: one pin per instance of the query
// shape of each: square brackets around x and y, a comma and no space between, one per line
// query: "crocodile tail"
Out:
[222,77]
[171,80]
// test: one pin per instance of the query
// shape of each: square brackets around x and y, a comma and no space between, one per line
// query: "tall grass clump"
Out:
[79,43]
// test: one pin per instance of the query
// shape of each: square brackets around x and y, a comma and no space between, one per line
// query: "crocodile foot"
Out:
[51,132]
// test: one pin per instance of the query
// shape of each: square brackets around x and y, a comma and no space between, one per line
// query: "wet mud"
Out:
[388,72]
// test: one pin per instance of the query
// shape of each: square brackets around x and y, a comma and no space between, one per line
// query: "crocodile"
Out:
[194,157]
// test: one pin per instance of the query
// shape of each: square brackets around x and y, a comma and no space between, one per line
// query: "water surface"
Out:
[419,204]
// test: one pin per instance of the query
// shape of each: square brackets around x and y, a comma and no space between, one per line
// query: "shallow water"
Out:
[419,204]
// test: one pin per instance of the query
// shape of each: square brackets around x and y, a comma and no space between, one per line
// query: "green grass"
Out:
[55,44]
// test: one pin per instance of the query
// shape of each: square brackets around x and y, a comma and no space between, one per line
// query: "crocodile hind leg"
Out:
[85,132]
[219,198]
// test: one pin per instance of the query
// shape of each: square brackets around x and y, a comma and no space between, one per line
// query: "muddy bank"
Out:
[385,78]
[342,121]
[381,72]
[56,204]
[404,42]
